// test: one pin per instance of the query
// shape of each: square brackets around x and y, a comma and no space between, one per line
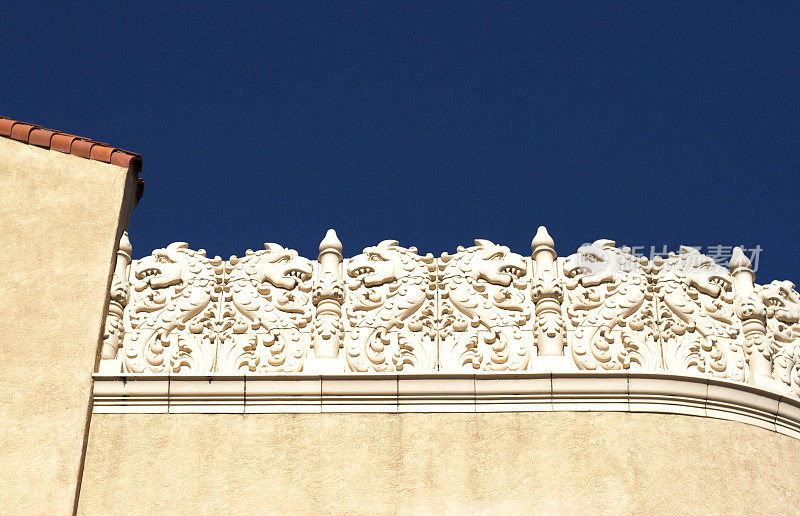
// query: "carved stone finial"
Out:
[118,299]
[739,261]
[751,311]
[547,293]
[330,243]
[742,272]
[328,297]
[125,244]
[542,241]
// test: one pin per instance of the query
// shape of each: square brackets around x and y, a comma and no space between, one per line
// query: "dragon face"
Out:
[161,269]
[376,266]
[782,301]
[282,268]
[593,264]
[702,272]
[497,264]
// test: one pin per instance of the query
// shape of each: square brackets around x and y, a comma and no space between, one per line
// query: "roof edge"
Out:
[50,139]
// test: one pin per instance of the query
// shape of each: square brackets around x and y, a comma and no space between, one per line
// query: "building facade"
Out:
[388,381]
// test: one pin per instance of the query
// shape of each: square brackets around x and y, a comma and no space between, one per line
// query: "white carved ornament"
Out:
[484,308]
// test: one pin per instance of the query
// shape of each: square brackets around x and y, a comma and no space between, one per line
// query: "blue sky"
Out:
[651,123]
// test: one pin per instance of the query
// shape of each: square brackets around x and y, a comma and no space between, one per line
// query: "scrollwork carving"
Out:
[484,309]
[390,310]
[610,309]
[267,304]
[783,332]
[697,321]
[171,322]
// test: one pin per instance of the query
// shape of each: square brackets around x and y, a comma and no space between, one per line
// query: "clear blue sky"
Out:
[431,123]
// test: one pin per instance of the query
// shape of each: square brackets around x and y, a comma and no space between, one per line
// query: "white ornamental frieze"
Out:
[267,311]
[170,320]
[482,309]
[485,309]
[390,307]
[609,309]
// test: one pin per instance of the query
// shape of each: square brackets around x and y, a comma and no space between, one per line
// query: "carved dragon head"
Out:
[384,263]
[162,269]
[281,267]
[695,269]
[597,263]
[496,264]
[782,301]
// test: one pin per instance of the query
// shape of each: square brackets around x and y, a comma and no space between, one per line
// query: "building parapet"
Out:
[481,311]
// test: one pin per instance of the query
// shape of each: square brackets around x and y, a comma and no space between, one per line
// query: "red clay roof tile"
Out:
[62,142]
[69,144]
[5,126]
[82,148]
[102,153]
[21,132]
[41,137]
[125,159]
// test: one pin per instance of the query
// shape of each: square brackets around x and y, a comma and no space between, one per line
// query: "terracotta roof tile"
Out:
[21,132]
[62,142]
[102,153]
[82,148]
[125,159]
[5,126]
[69,144]
[41,137]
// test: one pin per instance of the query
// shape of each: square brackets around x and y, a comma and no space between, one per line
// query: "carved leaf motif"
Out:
[180,312]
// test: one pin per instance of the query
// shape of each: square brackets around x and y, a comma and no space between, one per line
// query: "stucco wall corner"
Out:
[61,216]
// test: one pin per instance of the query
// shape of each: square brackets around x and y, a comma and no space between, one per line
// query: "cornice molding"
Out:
[391,393]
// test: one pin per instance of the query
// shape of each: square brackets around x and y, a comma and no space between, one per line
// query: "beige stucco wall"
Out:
[431,463]
[59,221]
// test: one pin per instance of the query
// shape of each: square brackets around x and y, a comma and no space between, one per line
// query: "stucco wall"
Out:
[426,463]
[59,224]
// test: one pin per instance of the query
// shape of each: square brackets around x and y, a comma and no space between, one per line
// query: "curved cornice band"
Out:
[443,392]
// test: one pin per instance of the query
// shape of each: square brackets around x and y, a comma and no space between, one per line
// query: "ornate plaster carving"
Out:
[484,308]
[266,311]
[171,321]
[390,309]
[118,299]
[697,322]
[610,309]
[782,345]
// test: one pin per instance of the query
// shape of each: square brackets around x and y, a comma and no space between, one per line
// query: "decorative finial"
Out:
[739,261]
[125,244]
[542,239]
[330,242]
